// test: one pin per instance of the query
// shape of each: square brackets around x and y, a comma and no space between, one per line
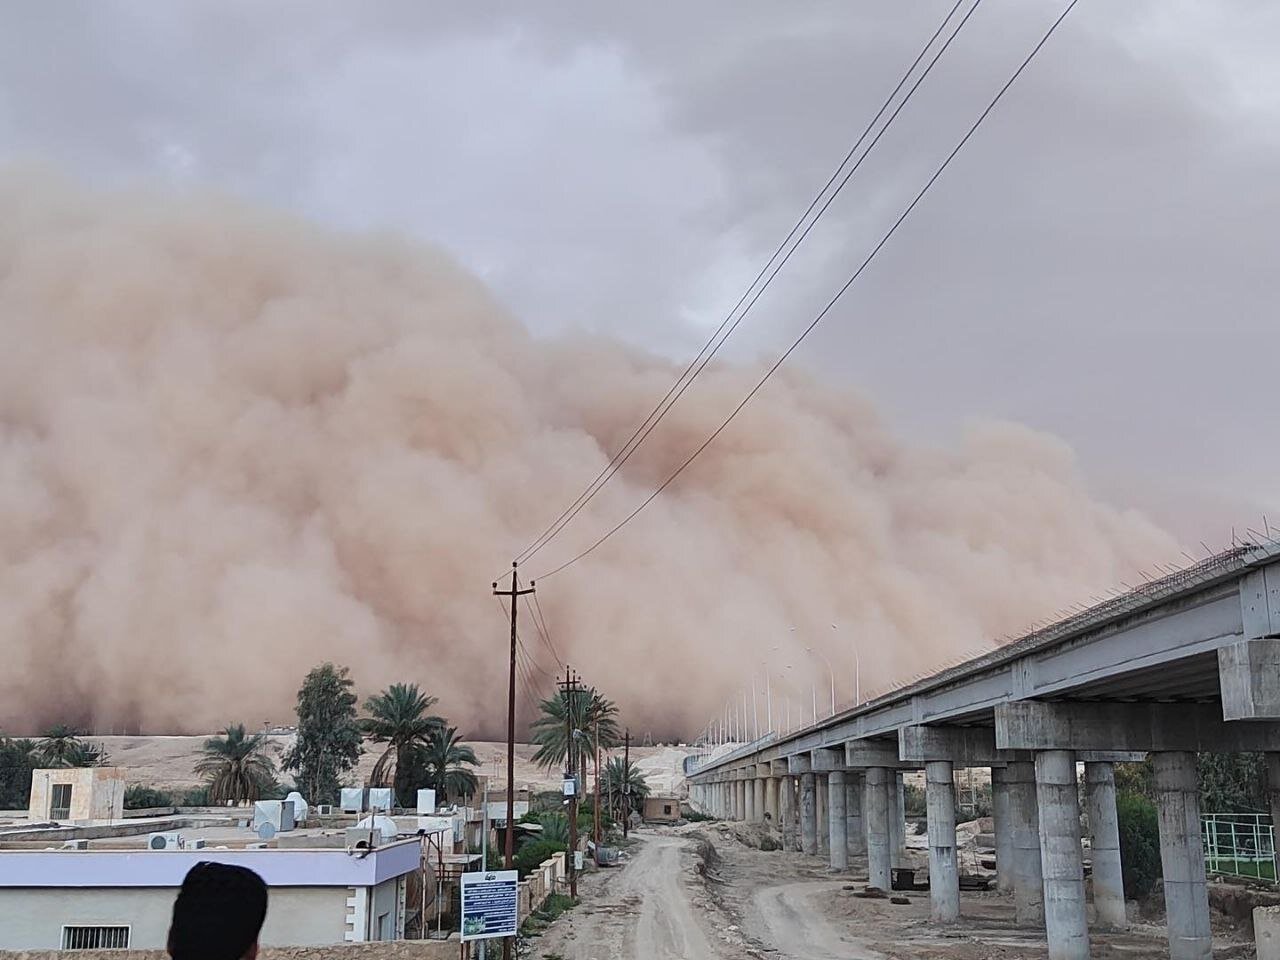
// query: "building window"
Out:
[95,938]
[60,804]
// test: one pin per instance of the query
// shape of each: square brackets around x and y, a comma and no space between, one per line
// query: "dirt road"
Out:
[649,910]
[794,926]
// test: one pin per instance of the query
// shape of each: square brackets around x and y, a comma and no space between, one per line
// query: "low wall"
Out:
[388,950]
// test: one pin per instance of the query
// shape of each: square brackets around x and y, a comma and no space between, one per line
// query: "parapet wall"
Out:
[388,950]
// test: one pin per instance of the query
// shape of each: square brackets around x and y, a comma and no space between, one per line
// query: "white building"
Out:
[77,794]
[52,899]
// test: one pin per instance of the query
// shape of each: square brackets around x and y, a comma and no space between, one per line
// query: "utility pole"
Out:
[570,688]
[626,782]
[514,593]
[596,738]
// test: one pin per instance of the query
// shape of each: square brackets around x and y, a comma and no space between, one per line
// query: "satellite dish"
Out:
[267,831]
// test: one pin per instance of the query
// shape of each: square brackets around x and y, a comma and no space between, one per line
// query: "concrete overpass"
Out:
[1189,663]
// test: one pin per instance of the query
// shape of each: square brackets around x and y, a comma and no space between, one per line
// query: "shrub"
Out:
[1139,843]
[529,856]
[913,800]
[195,797]
[139,797]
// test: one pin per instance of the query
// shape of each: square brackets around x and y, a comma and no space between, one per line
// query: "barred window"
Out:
[95,938]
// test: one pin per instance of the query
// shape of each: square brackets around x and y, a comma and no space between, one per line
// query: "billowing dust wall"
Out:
[233,445]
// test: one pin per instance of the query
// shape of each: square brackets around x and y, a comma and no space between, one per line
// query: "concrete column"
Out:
[749,786]
[837,812]
[771,799]
[1066,922]
[758,806]
[787,811]
[1024,834]
[808,816]
[1104,844]
[875,814]
[820,813]
[944,874]
[1186,895]
[1001,814]
[855,833]
[898,819]
[722,794]
[741,789]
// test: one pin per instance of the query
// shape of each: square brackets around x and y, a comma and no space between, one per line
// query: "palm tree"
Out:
[592,715]
[237,765]
[398,717]
[612,778]
[61,746]
[441,762]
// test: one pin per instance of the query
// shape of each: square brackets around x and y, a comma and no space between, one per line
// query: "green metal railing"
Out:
[1240,845]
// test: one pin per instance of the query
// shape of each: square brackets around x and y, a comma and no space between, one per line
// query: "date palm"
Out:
[237,765]
[444,760]
[398,717]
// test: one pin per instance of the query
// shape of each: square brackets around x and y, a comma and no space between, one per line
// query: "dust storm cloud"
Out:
[233,445]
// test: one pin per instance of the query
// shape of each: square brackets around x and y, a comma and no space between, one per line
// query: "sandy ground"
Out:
[785,906]
[166,762]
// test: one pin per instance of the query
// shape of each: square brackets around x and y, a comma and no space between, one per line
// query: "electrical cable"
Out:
[832,302]
[690,373]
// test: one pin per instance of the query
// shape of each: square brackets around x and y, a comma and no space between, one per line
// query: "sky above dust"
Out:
[1098,265]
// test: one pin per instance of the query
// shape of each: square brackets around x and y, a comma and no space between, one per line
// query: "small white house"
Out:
[57,899]
[77,794]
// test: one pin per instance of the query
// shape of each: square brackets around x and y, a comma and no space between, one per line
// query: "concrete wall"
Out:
[33,918]
[398,950]
[97,793]
[385,900]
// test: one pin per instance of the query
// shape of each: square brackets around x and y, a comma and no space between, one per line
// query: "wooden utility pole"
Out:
[514,593]
[570,688]
[626,783]
[596,738]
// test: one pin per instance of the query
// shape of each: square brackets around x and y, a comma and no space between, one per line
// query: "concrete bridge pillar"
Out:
[1001,814]
[787,812]
[898,819]
[771,799]
[749,788]
[757,784]
[837,813]
[944,875]
[740,788]
[1186,895]
[1104,844]
[820,813]
[1066,922]
[875,813]
[1024,835]
[726,809]
[808,816]
[855,832]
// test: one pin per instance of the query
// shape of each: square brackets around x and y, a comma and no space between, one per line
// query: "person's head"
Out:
[218,913]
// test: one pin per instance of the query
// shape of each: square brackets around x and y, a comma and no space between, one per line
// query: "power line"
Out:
[832,302]
[703,357]
[540,622]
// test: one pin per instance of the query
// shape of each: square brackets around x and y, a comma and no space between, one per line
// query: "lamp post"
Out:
[831,670]
[857,667]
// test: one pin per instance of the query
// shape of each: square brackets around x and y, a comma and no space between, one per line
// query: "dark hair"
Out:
[218,913]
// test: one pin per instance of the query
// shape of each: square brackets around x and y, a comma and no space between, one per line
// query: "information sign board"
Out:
[489,904]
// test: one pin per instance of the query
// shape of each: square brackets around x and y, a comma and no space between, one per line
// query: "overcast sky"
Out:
[1099,263]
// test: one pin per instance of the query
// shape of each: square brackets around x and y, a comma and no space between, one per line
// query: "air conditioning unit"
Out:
[75,845]
[352,799]
[195,844]
[171,840]
[324,809]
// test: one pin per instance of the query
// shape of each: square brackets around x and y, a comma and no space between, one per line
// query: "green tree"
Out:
[328,744]
[442,762]
[1233,783]
[62,746]
[398,717]
[1139,843]
[612,778]
[17,759]
[237,766]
